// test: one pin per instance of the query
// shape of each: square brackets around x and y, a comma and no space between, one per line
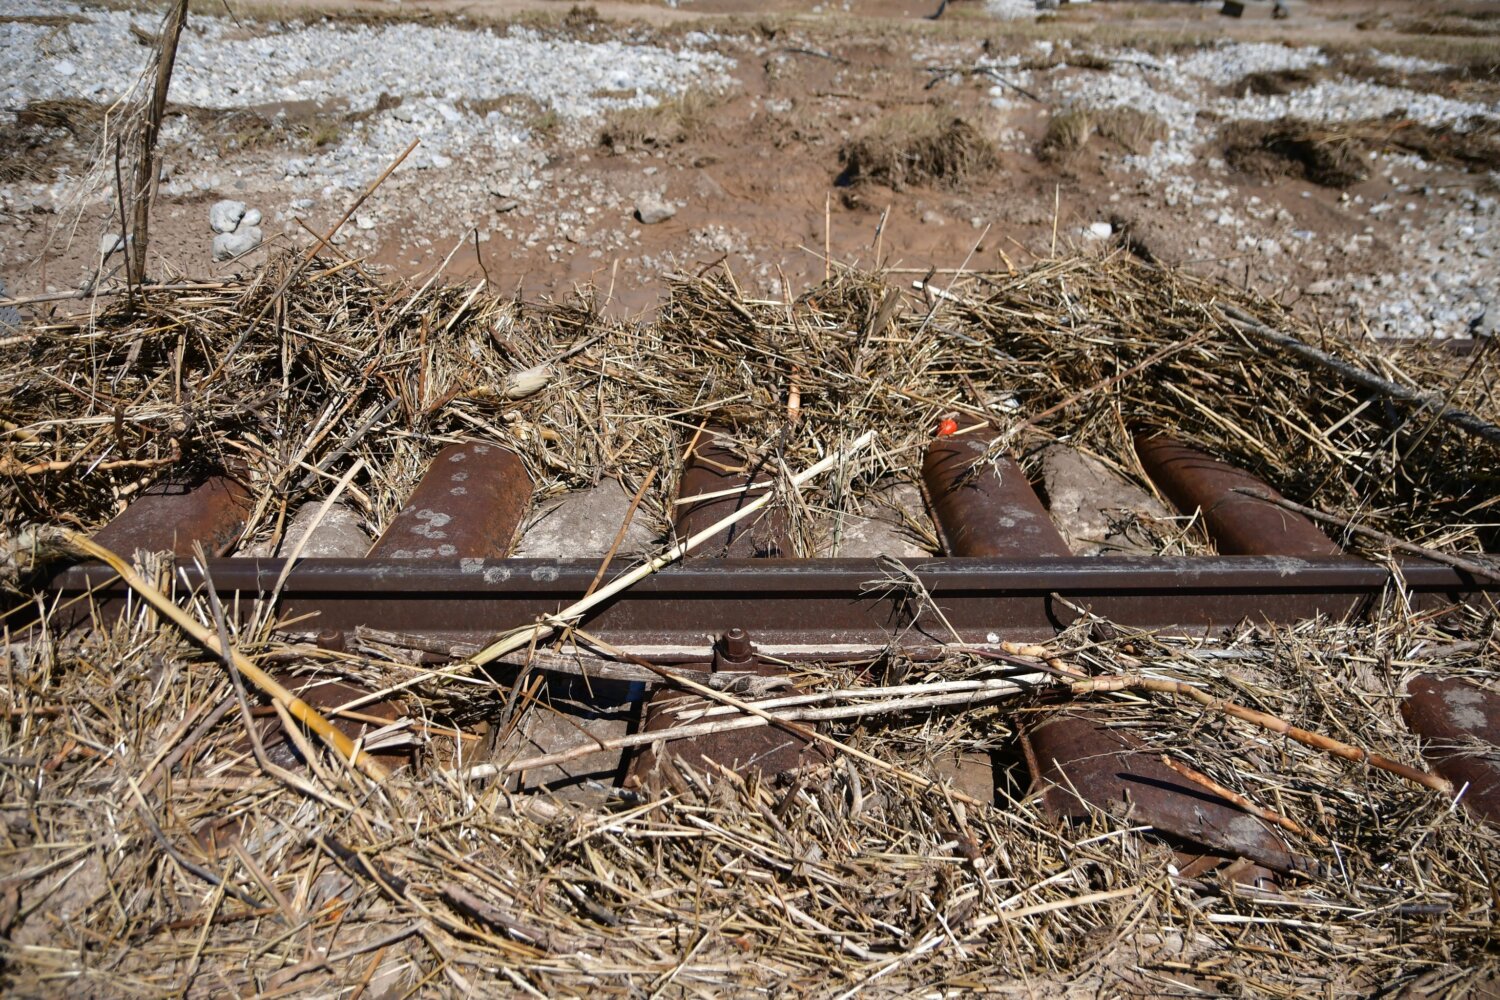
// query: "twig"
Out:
[1459,418]
[614,547]
[810,735]
[1243,801]
[1135,682]
[783,717]
[574,662]
[145,168]
[1468,565]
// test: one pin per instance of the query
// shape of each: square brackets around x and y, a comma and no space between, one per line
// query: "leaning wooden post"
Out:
[146,174]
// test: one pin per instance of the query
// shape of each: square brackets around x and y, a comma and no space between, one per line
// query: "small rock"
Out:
[653,208]
[227,246]
[252,218]
[880,529]
[931,218]
[109,243]
[225,215]
[65,68]
[583,525]
[441,162]
[1101,230]
[1095,508]
[365,222]
[338,535]
[1324,287]
[404,113]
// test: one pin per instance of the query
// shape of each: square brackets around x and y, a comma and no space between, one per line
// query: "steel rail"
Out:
[803,607]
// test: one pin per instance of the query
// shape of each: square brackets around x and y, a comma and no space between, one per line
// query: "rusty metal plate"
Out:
[1460,724]
[986,509]
[467,506]
[171,516]
[1081,764]
[711,467]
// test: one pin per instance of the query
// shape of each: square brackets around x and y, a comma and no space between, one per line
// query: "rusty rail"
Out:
[800,606]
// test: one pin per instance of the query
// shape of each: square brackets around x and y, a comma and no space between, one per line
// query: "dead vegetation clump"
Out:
[925,146]
[670,122]
[1068,132]
[147,848]
[1336,154]
[1291,147]
[1039,337]
[45,135]
[1470,76]
[302,127]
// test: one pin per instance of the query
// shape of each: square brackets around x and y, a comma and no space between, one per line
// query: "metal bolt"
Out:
[330,639]
[734,650]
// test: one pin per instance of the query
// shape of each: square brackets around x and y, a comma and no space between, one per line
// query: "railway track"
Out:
[441,571]
[441,579]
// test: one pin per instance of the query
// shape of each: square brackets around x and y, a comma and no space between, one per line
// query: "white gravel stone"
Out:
[225,216]
[435,69]
[652,208]
[252,218]
[228,246]
[110,243]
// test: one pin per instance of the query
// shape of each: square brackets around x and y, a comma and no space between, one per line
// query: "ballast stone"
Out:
[225,216]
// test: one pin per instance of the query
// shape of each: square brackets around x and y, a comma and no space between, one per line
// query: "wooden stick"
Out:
[614,547]
[739,722]
[1243,801]
[1426,400]
[1134,682]
[146,174]
[796,729]
[295,706]
[1468,565]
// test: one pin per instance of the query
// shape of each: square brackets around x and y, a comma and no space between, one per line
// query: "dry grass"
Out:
[1336,154]
[45,135]
[1068,132]
[920,146]
[114,768]
[670,122]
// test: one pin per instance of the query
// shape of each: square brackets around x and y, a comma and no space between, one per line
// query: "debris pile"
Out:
[154,837]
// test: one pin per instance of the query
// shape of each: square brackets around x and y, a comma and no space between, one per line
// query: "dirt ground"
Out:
[757,170]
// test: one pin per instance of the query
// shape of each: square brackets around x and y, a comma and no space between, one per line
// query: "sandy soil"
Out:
[758,177]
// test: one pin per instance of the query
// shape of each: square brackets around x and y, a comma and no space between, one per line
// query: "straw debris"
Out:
[150,848]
